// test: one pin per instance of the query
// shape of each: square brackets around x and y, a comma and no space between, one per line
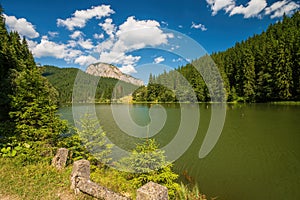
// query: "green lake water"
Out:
[256,157]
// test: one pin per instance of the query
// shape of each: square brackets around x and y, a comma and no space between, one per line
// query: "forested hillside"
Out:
[265,67]
[63,79]
[28,102]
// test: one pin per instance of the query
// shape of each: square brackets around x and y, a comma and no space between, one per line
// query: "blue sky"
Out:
[135,35]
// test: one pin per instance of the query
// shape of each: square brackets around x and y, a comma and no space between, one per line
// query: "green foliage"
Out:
[263,68]
[27,100]
[35,181]
[33,108]
[148,163]
[63,79]
[13,149]
[94,139]
[113,179]
[185,193]
[74,144]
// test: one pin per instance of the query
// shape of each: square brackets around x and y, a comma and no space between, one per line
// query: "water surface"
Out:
[256,157]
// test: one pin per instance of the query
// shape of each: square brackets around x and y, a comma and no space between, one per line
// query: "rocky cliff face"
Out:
[110,71]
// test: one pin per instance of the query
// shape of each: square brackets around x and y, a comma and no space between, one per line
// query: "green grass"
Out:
[286,102]
[35,182]
[113,179]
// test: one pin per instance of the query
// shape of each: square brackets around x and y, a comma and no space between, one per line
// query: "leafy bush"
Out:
[148,163]
[185,193]
[94,140]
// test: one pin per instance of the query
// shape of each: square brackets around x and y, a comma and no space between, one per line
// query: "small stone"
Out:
[60,159]
[81,169]
[152,191]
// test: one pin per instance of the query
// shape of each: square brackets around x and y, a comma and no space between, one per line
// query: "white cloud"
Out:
[278,9]
[98,36]
[108,27]
[119,58]
[105,46]
[72,43]
[128,69]
[127,62]
[134,34]
[85,60]
[22,26]
[86,44]
[53,34]
[199,26]
[76,34]
[47,48]
[180,26]
[31,44]
[217,5]
[80,17]
[177,60]
[253,8]
[131,35]
[159,60]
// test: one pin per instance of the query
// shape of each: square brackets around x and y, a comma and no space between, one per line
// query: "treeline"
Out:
[64,80]
[28,102]
[265,67]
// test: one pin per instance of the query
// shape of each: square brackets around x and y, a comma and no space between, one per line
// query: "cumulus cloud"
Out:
[86,44]
[22,26]
[31,44]
[85,60]
[47,48]
[80,17]
[76,34]
[128,69]
[53,34]
[253,8]
[159,60]
[135,34]
[98,36]
[128,62]
[108,27]
[217,5]
[199,26]
[278,9]
[131,35]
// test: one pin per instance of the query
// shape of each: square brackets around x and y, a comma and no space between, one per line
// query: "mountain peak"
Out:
[111,71]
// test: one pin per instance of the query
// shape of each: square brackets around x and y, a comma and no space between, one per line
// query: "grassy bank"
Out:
[35,182]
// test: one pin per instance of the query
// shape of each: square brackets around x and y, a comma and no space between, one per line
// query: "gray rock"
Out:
[110,71]
[81,170]
[95,190]
[152,191]
[60,159]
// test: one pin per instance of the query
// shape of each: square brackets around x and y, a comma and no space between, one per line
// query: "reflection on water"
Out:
[256,157]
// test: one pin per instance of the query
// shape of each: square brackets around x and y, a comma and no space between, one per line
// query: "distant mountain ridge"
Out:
[110,71]
[64,80]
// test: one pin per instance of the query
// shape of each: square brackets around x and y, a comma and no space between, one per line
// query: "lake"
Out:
[257,155]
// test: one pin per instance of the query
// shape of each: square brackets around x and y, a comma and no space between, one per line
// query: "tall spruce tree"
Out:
[27,99]
[4,70]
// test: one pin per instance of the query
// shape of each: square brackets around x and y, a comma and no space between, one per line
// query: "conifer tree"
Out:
[28,99]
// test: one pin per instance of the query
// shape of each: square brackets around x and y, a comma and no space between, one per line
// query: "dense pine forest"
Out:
[63,79]
[28,102]
[265,67]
